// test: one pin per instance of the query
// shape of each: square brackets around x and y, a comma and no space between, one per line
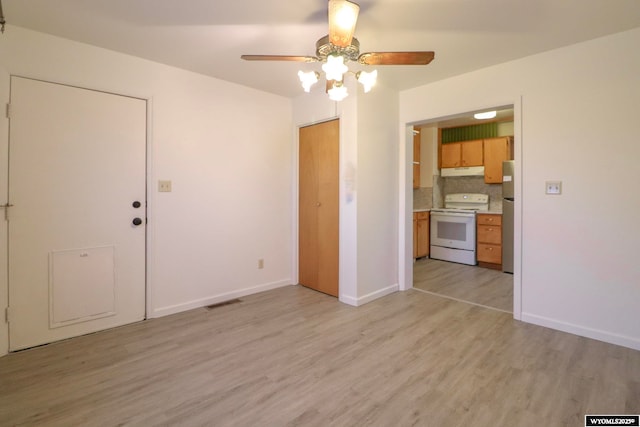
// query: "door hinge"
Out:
[8,111]
[7,317]
[6,207]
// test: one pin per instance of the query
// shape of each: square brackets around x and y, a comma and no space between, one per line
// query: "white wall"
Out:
[377,193]
[428,155]
[4,176]
[579,124]
[227,150]
[505,129]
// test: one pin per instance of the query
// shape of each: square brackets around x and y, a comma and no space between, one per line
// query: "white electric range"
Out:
[453,228]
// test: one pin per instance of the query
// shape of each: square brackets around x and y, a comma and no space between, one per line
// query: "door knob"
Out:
[136,204]
[318,204]
[137,221]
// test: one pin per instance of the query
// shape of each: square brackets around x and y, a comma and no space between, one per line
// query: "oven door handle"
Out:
[462,215]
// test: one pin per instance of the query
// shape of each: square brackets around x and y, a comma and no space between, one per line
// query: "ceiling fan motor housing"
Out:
[325,48]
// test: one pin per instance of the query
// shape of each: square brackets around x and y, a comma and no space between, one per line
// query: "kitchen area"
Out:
[463,208]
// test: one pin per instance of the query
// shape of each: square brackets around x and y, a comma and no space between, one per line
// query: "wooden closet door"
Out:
[319,207]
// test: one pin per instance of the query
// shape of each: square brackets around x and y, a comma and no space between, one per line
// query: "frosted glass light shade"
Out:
[338,92]
[334,67]
[367,79]
[308,79]
[343,16]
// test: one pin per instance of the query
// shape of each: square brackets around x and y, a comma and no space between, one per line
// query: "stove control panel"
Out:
[473,201]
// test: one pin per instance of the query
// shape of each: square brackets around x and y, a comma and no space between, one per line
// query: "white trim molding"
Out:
[215,299]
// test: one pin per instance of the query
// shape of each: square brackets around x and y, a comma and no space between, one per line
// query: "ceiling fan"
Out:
[339,47]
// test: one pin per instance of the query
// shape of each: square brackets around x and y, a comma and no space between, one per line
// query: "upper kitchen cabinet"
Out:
[462,154]
[496,150]
[416,157]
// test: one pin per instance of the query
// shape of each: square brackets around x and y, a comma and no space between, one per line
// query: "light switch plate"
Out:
[164,186]
[553,187]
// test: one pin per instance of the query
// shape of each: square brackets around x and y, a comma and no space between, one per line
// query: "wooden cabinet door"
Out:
[489,238]
[462,154]
[451,155]
[416,157]
[319,207]
[472,153]
[491,254]
[421,234]
[489,234]
[496,150]
[489,219]
[415,235]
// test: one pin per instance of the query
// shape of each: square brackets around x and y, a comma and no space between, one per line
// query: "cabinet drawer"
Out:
[490,234]
[489,253]
[487,219]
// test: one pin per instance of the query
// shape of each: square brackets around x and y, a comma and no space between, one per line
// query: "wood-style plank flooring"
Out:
[295,357]
[476,285]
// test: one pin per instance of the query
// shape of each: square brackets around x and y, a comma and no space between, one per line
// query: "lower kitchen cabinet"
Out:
[420,234]
[489,238]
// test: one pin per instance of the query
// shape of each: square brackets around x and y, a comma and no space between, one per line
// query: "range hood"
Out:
[465,171]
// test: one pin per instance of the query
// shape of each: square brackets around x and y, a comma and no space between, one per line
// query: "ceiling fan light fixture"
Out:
[340,47]
[485,116]
[343,16]
[308,79]
[334,68]
[367,79]
[338,92]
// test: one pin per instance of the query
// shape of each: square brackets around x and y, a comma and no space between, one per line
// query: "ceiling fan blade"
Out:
[279,58]
[396,58]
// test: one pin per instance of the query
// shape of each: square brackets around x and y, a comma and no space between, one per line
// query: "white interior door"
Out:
[77,165]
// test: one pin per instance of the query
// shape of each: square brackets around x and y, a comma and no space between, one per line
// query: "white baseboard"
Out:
[595,334]
[369,297]
[215,299]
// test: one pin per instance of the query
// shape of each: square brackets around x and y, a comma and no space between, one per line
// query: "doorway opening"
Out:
[484,283]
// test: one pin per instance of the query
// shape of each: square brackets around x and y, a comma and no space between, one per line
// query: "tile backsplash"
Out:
[467,184]
[423,198]
[427,197]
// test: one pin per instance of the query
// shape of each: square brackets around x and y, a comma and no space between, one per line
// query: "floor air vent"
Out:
[222,304]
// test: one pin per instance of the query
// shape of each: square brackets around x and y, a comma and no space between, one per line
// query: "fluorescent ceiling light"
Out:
[484,116]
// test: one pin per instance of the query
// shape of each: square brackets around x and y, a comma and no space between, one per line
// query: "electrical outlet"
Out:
[164,186]
[260,263]
[553,187]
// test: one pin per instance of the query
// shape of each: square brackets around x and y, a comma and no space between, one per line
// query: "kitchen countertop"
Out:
[489,212]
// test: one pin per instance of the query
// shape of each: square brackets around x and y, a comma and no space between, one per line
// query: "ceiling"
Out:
[208,36]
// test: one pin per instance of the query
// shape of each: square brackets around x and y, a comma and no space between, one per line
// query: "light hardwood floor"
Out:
[293,356]
[476,285]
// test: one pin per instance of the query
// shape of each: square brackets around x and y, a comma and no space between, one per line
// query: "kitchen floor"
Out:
[472,284]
